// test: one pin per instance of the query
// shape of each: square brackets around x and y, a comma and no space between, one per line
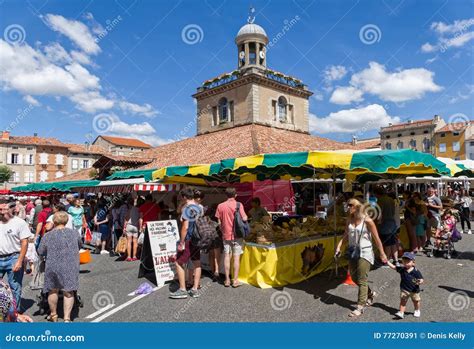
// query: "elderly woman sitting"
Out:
[61,248]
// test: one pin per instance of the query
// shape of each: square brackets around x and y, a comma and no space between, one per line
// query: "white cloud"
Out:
[431,60]
[76,31]
[50,70]
[357,120]
[399,86]
[457,26]
[456,34]
[334,72]
[142,131]
[91,101]
[427,47]
[145,110]
[31,100]
[462,95]
[346,95]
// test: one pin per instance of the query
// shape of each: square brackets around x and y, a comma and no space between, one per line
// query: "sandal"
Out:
[370,299]
[52,318]
[236,284]
[227,284]
[67,320]
[357,312]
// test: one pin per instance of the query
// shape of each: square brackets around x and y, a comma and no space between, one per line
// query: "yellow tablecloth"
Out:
[292,262]
[287,263]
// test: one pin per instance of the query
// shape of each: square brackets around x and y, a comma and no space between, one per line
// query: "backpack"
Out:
[204,233]
[241,228]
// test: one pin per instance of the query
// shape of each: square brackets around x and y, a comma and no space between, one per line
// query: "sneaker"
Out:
[180,294]
[194,293]
[104,252]
[134,259]
[469,232]
[417,313]
[399,315]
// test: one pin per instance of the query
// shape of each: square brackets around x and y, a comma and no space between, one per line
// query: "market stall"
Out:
[276,255]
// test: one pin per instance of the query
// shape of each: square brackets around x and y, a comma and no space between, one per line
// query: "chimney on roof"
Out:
[390,124]
[5,135]
[35,134]
[410,121]
[87,145]
[437,118]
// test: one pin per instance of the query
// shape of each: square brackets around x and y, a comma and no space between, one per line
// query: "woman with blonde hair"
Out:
[61,248]
[359,233]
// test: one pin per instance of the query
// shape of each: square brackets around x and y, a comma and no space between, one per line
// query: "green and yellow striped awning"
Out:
[324,163]
[300,165]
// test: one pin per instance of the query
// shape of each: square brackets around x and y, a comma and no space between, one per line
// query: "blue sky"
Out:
[73,69]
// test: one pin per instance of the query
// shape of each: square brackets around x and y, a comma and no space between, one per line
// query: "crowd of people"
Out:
[54,229]
[429,224]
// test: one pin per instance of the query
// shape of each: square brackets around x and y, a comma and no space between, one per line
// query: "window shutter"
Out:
[9,158]
[231,111]
[20,159]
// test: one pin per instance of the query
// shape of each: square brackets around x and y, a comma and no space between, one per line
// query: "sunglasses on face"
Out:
[350,205]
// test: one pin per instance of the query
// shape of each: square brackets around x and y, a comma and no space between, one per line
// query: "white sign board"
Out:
[163,237]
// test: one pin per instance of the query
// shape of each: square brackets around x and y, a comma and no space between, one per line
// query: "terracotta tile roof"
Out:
[86,149]
[34,140]
[455,126]
[405,125]
[128,142]
[234,142]
[76,176]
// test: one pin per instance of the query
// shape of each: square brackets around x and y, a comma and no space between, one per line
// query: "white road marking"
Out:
[126,304]
[100,311]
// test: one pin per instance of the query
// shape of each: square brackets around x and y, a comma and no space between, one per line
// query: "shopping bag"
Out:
[96,238]
[31,254]
[37,282]
[121,245]
[88,236]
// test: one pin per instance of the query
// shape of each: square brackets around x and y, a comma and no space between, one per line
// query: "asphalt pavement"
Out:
[106,285]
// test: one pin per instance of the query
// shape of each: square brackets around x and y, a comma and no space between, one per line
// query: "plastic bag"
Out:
[31,254]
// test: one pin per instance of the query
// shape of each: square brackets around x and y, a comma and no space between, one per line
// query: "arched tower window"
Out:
[223,110]
[282,109]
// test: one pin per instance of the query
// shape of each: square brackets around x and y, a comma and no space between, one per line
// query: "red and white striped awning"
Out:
[157,187]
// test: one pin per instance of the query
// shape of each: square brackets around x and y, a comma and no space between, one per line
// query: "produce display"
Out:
[268,232]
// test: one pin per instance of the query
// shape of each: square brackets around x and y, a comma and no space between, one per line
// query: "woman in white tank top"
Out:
[359,234]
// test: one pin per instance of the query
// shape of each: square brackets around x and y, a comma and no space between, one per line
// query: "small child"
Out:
[447,226]
[411,279]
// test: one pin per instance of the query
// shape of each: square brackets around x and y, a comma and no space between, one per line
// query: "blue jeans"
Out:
[15,279]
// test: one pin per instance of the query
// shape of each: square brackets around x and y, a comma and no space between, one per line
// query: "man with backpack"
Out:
[233,221]
[187,248]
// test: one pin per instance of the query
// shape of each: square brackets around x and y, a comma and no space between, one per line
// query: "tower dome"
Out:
[251,41]
[250,28]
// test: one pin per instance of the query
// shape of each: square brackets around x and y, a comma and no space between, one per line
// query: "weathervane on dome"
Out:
[251,17]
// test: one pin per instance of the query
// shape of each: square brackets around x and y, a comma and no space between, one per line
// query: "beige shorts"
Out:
[233,246]
[132,231]
[415,296]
